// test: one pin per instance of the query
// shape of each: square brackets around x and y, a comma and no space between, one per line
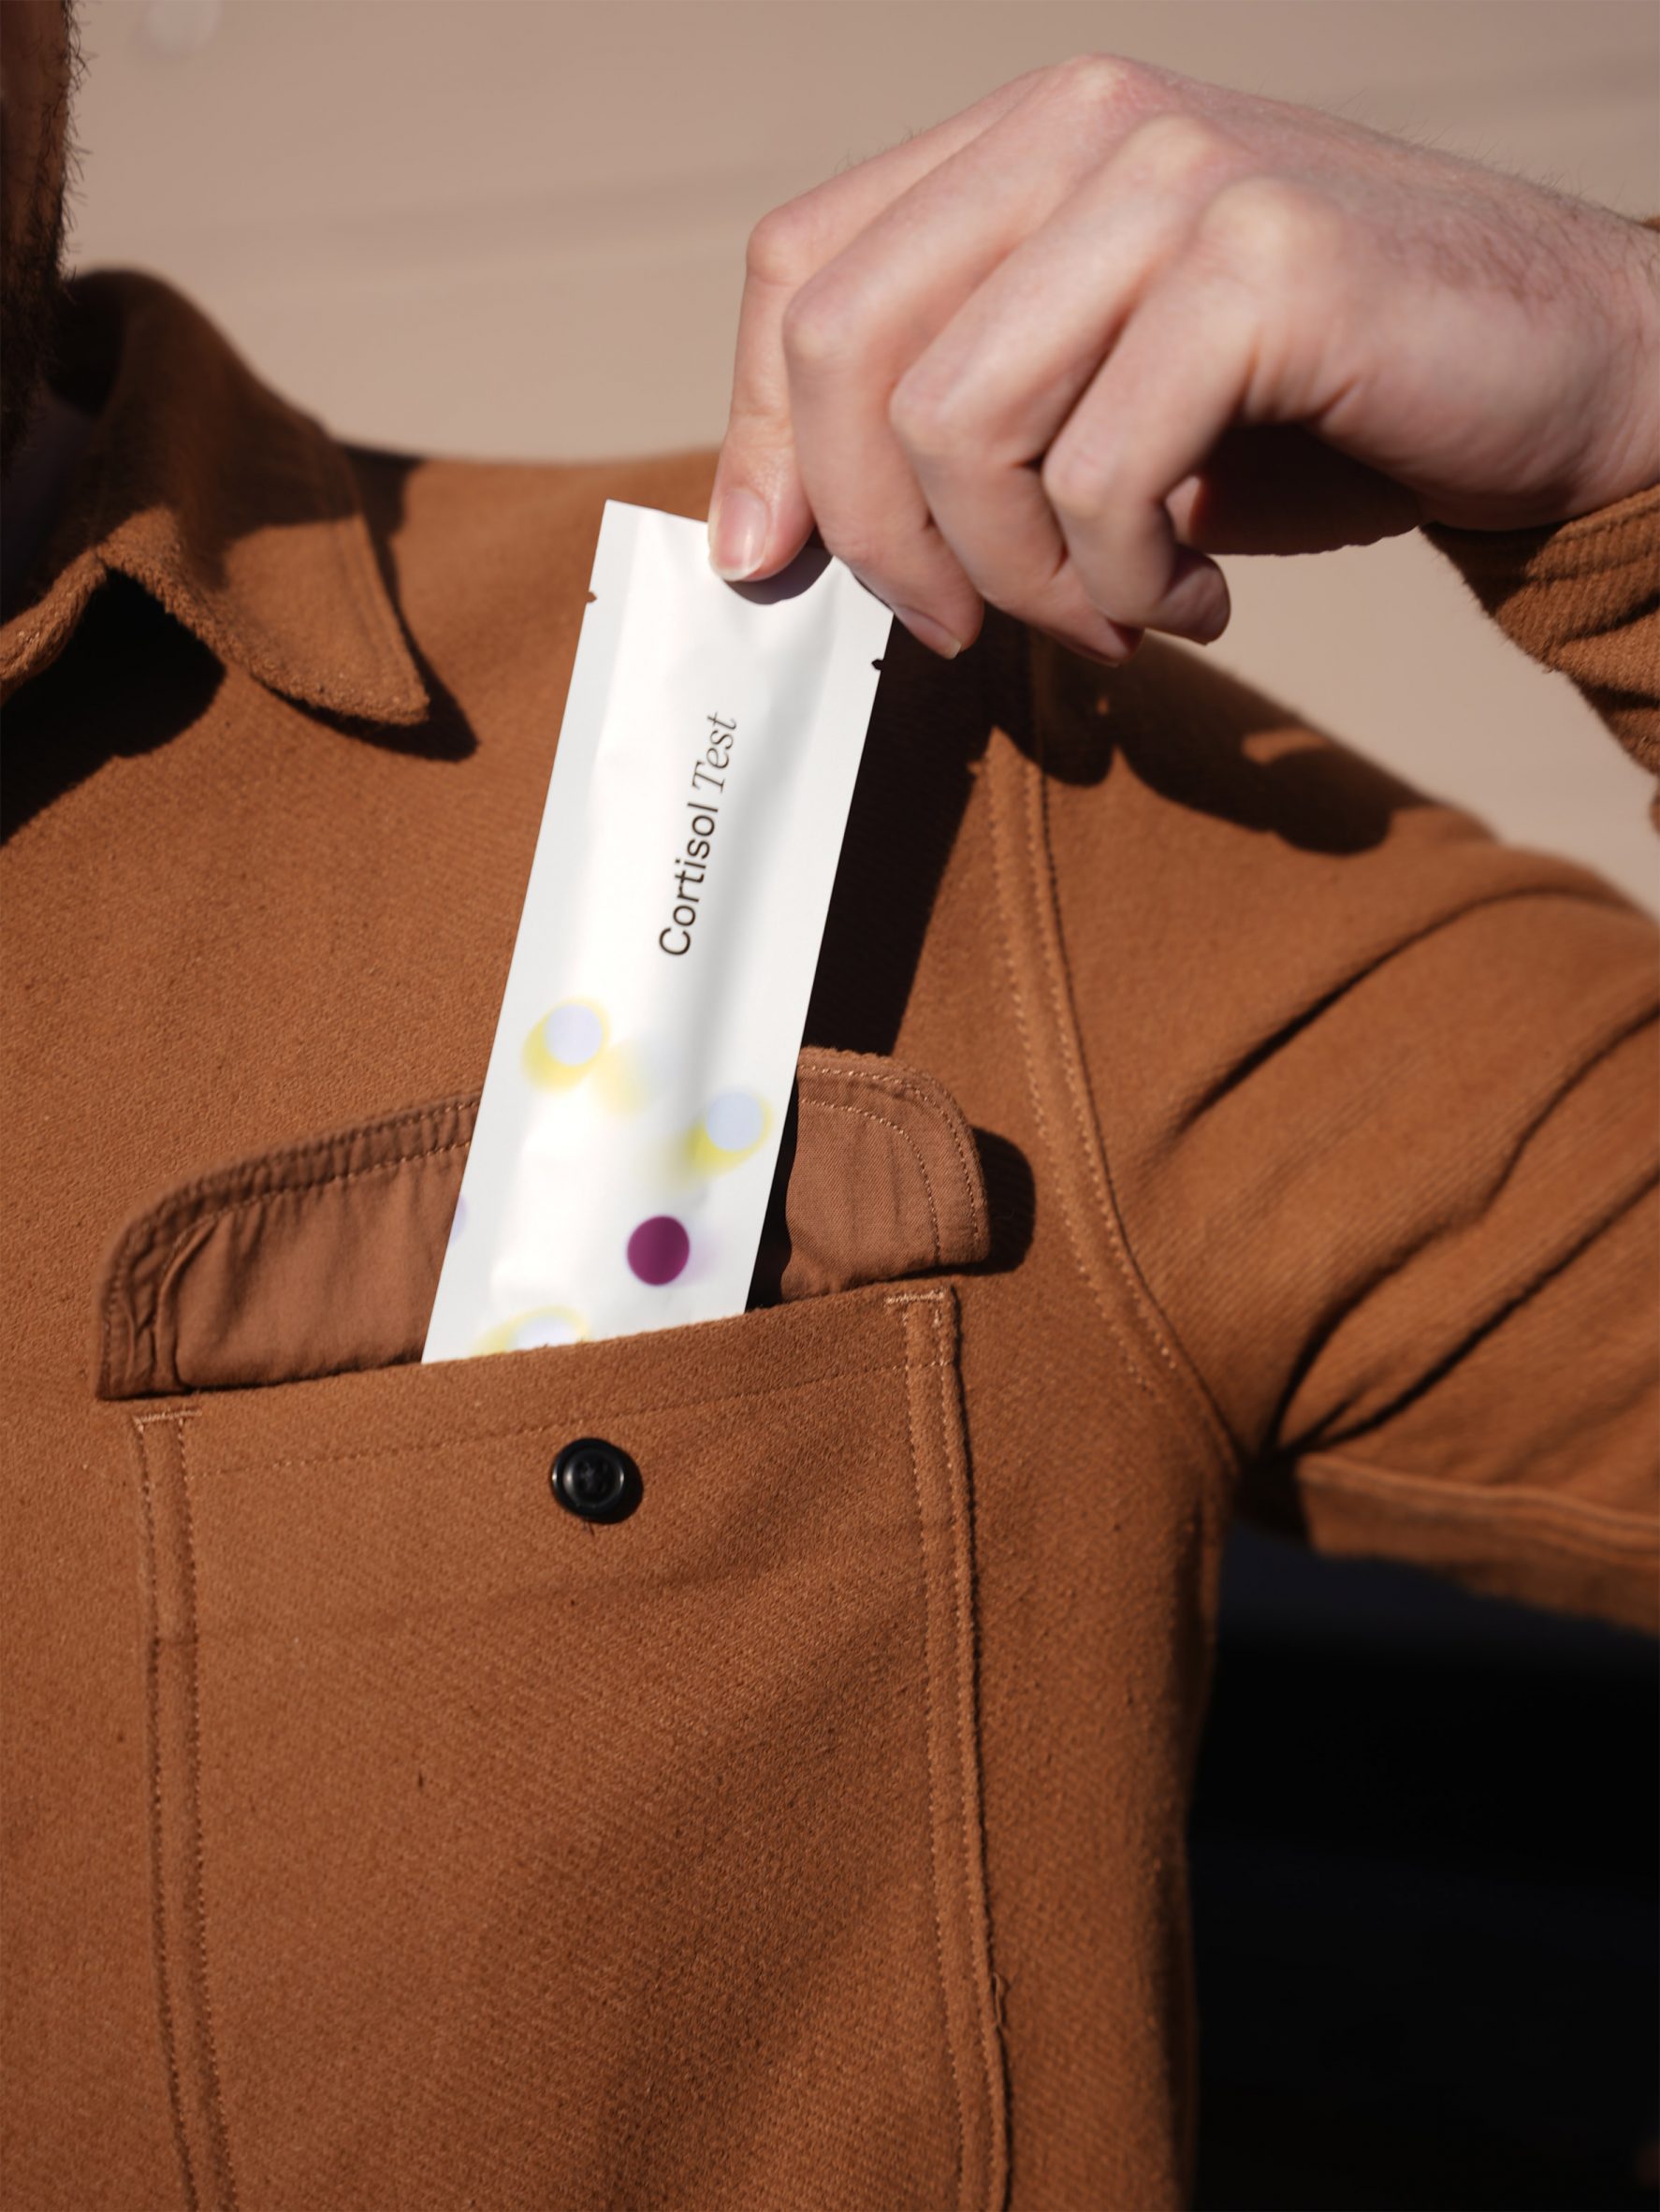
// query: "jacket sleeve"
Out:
[1377,1101]
[1583,599]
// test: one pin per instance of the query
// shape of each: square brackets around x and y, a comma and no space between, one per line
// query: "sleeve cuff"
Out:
[1580,597]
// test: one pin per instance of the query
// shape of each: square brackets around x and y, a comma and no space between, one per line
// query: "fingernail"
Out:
[738,535]
[1197,606]
[1205,626]
[929,633]
[1103,656]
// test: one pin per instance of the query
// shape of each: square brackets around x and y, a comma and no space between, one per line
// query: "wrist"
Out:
[1629,461]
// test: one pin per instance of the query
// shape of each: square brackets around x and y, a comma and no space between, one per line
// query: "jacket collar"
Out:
[237,512]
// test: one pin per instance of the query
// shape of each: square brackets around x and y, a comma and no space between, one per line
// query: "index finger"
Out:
[758,516]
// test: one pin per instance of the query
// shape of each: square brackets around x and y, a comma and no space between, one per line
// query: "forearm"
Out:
[1578,596]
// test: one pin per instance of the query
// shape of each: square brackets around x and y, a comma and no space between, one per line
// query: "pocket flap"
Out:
[324,1257]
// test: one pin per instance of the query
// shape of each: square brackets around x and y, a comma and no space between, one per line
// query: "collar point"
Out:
[392,695]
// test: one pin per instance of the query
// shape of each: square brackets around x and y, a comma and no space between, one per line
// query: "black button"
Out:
[595,1481]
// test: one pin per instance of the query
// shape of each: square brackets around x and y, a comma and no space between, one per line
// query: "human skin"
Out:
[1057,352]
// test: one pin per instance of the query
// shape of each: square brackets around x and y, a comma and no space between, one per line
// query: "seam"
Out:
[147,1234]
[308,1190]
[928,1675]
[1091,1140]
[538,1428]
[146,1231]
[193,1743]
[113,1299]
[1042,866]
[926,1103]
[885,1080]
[354,543]
[196,1226]
[46,622]
[887,1122]
[286,1155]
[158,1926]
[305,1148]
[966,1747]
[1607,1528]
[163,1357]
[343,540]
[1035,1089]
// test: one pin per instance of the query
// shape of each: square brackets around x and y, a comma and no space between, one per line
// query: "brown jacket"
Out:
[1194,1115]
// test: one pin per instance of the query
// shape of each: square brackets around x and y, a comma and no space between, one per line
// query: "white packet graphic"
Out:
[643,1061]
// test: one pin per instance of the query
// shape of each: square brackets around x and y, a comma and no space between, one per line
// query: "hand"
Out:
[1054,353]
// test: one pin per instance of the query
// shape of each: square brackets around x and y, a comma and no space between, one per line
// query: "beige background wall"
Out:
[518,227]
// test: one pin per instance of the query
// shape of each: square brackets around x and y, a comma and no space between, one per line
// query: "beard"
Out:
[33,286]
[32,257]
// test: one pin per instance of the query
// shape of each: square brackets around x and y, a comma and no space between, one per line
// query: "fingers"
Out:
[979,409]
[848,336]
[1234,331]
[995,364]
[759,513]
[1164,396]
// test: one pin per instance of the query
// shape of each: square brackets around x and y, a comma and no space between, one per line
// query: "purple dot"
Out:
[658,1249]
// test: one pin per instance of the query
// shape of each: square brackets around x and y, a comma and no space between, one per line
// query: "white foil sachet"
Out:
[643,1062]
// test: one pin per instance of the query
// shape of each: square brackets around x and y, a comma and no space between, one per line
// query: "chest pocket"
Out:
[506,1855]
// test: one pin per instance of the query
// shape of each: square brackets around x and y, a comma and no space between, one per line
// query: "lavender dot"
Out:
[457,1220]
[734,1121]
[572,1034]
[658,1249]
[547,1329]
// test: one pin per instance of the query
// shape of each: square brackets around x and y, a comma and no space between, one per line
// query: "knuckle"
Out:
[859,546]
[1076,481]
[930,416]
[1096,82]
[816,330]
[776,251]
[1172,149]
[1270,229]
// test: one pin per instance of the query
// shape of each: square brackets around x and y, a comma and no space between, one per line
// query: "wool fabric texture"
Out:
[1194,1119]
